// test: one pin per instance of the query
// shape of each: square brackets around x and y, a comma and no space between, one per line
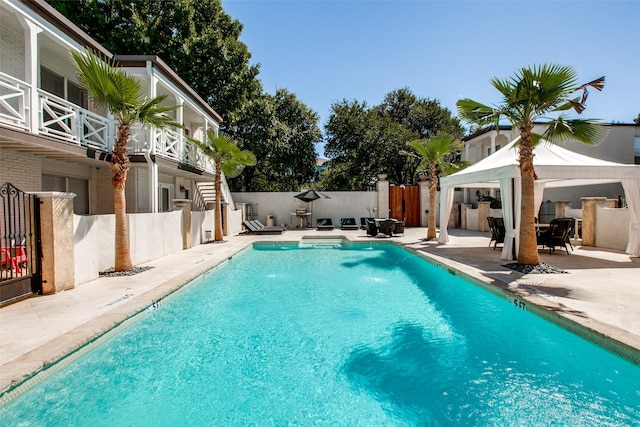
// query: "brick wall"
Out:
[12,52]
[21,169]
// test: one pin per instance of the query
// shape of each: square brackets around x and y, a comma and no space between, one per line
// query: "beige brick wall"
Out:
[12,60]
[22,170]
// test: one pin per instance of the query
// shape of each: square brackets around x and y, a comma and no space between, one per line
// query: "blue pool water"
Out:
[359,335]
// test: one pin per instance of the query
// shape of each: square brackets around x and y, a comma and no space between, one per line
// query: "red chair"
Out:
[13,256]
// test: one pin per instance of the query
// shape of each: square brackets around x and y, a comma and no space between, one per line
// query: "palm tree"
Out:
[122,96]
[437,158]
[527,98]
[228,159]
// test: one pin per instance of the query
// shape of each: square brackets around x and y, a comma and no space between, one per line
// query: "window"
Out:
[63,88]
[70,185]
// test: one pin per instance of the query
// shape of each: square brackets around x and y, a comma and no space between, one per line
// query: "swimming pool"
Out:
[359,334]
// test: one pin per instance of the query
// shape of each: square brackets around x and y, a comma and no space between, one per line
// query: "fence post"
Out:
[560,207]
[382,186]
[484,210]
[56,231]
[185,206]
[589,207]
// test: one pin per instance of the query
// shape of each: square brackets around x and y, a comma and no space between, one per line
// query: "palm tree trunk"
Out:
[119,167]
[528,247]
[218,234]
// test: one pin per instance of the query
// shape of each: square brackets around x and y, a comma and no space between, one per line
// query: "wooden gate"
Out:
[20,264]
[404,201]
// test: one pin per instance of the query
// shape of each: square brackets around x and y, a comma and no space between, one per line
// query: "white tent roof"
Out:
[554,165]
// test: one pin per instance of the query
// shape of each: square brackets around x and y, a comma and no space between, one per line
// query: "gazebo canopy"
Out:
[555,167]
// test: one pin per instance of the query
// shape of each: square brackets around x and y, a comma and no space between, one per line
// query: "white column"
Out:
[154,188]
[492,192]
[31,31]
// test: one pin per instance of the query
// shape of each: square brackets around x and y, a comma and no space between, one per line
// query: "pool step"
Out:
[320,243]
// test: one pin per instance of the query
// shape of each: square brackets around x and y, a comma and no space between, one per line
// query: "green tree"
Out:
[229,159]
[282,132]
[437,158]
[121,95]
[364,141]
[198,40]
[637,120]
[529,97]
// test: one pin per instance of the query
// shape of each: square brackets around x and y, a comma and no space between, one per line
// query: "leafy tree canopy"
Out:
[364,141]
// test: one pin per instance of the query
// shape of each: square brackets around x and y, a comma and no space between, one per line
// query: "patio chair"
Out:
[557,234]
[363,222]
[496,227]
[372,228]
[324,224]
[386,227]
[348,224]
[399,228]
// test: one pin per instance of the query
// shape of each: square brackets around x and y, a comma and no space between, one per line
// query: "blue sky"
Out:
[325,51]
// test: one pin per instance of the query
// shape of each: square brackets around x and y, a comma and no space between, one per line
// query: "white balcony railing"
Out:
[14,102]
[65,121]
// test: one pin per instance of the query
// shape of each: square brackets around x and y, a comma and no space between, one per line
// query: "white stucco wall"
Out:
[342,204]
[151,236]
[612,228]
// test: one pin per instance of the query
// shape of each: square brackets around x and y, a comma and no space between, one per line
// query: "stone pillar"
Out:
[423,187]
[56,233]
[483,214]
[589,207]
[560,206]
[455,215]
[611,203]
[382,186]
[224,210]
[463,214]
[243,209]
[185,206]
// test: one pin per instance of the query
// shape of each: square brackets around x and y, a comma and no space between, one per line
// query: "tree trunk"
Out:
[119,166]
[218,234]
[528,247]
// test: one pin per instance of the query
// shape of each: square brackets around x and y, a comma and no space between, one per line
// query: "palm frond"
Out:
[476,112]
[562,129]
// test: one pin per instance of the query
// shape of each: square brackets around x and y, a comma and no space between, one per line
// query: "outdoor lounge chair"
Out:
[253,228]
[496,226]
[274,227]
[348,224]
[324,224]
[557,234]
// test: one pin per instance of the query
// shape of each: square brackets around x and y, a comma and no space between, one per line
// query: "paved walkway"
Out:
[601,292]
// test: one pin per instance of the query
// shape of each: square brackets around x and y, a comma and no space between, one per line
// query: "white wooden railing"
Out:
[65,121]
[14,102]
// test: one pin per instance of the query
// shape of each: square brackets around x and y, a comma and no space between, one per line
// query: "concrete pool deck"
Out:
[600,292]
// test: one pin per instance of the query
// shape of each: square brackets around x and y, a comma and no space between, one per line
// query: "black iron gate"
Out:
[20,262]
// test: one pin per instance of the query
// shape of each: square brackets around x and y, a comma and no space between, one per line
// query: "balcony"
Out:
[69,123]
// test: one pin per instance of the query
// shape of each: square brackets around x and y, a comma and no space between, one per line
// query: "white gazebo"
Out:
[555,167]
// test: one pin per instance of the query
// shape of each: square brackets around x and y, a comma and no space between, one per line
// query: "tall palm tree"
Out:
[122,96]
[228,159]
[527,98]
[437,158]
